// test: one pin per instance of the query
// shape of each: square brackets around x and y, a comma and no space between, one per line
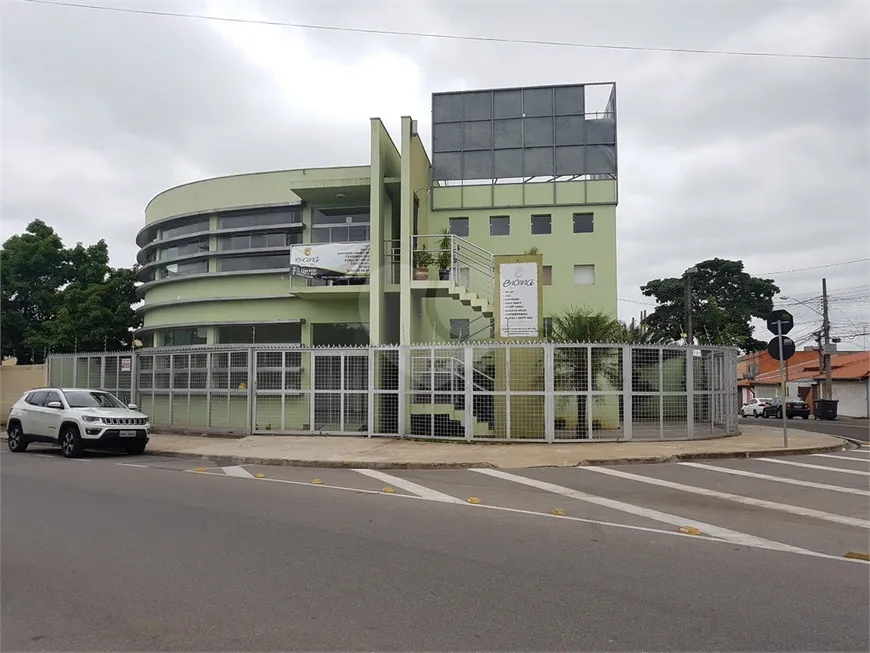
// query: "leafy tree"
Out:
[724,301]
[58,299]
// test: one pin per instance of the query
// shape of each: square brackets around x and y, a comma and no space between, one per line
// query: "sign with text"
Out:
[330,260]
[126,364]
[519,300]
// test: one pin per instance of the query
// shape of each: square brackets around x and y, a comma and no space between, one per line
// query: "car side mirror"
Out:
[132,406]
[54,404]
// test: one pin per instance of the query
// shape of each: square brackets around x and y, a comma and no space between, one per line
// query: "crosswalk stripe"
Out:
[737,498]
[836,457]
[410,486]
[778,479]
[825,468]
[236,470]
[656,515]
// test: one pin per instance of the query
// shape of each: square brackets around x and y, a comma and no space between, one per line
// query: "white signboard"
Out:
[126,364]
[518,300]
[330,260]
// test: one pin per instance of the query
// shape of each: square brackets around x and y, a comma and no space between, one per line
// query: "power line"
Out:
[815,267]
[456,37]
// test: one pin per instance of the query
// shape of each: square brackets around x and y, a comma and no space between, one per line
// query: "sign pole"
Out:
[784,391]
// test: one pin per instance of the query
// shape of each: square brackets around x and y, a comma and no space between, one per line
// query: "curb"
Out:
[601,462]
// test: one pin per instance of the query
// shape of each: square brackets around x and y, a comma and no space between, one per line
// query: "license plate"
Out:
[128,434]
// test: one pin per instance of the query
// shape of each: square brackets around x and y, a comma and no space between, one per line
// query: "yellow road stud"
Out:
[388,490]
[200,469]
[858,555]
[260,475]
[559,511]
[473,500]
[689,530]
[317,481]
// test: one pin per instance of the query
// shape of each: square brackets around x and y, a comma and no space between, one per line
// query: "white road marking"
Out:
[748,540]
[779,479]
[849,458]
[726,534]
[737,498]
[238,471]
[132,465]
[862,450]
[809,466]
[410,486]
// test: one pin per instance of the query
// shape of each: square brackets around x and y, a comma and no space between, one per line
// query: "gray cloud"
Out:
[101,111]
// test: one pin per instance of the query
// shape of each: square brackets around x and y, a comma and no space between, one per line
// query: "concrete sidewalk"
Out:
[387,453]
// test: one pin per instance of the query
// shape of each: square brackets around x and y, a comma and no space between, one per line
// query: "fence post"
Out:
[627,389]
[404,398]
[690,392]
[372,362]
[252,389]
[549,393]
[134,377]
[468,389]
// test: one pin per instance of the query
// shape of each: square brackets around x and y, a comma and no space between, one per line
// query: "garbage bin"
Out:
[825,408]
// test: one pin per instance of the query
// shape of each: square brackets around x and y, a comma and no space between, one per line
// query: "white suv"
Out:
[76,419]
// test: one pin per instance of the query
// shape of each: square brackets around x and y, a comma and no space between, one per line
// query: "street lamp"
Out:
[690,340]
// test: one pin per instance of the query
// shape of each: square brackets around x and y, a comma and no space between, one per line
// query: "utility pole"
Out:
[826,334]
[690,338]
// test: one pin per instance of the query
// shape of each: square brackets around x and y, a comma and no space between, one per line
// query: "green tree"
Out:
[57,299]
[725,299]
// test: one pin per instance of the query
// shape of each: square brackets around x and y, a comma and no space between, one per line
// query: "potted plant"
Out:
[531,250]
[422,261]
[445,257]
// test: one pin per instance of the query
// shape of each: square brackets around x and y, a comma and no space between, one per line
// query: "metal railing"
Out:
[543,392]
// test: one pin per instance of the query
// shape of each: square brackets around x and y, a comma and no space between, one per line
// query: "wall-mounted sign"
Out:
[330,260]
[126,364]
[518,300]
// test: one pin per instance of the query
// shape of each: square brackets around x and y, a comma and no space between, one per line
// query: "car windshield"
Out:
[763,400]
[91,399]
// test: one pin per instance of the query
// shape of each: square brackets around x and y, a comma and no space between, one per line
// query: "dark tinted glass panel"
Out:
[584,223]
[235,335]
[541,224]
[290,332]
[191,227]
[261,218]
[242,263]
[339,334]
[459,226]
[500,225]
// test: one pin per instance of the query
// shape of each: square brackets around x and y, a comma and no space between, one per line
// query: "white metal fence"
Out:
[484,391]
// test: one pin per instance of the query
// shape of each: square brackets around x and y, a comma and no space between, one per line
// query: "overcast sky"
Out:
[755,158]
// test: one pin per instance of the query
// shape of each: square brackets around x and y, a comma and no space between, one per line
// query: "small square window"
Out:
[547,275]
[584,223]
[459,329]
[459,227]
[542,224]
[584,275]
[499,225]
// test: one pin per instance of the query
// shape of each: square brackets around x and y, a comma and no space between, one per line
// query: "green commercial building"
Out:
[405,249]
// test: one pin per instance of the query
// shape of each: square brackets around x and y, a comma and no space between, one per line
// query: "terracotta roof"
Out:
[851,365]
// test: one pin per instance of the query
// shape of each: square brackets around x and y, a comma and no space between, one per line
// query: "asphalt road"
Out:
[150,553]
[854,429]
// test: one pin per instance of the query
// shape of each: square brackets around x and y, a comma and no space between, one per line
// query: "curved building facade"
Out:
[402,250]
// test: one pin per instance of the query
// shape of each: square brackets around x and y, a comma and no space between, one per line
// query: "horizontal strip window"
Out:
[181,269]
[183,337]
[265,262]
[341,234]
[261,218]
[259,241]
[360,215]
[247,334]
[190,227]
[184,249]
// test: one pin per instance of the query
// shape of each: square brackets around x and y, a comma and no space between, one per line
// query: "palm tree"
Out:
[584,325]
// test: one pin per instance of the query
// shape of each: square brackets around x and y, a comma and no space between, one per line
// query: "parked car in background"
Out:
[76,419]
[754,407]
[793,408]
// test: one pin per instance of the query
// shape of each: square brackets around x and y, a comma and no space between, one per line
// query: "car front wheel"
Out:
[71,442]
[16,442]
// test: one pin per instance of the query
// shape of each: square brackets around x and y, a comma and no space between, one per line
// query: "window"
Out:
[37,398]
[287,332]
[192,227]
[87,399]
[261,218]
[184,337]
[339,335]
[542,224]
[182,269]
[584,275]
[547,275]
[548,327]
[500,225]
[263,262]
[184,249]
[459,227]
[584,223]
[259,241]
[340,225]
[459,329]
